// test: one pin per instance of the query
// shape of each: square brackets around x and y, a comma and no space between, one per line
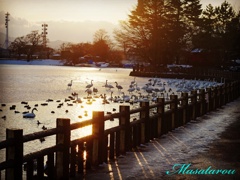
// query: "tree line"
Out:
[158,32]
[165,31]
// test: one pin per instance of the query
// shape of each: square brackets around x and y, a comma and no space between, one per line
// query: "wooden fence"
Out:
[189,73]
[67,158]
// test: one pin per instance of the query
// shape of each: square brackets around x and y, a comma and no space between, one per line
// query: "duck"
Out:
[42,139]
[25,112]
[30,115]
[44,128]
[13,107]
[24,102]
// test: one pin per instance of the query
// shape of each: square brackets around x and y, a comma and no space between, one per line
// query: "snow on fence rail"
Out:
[67,158]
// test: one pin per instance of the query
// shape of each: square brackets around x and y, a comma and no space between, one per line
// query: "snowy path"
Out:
[176,147]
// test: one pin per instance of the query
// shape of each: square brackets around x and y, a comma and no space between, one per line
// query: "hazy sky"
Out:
[70,20]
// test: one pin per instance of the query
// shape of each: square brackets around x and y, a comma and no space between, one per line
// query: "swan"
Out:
[89,85]
[95,90]
[30,115]
[70,84]
[125,98]
[130,90]
[137,88]
[133,82]
[89,92]
[108,85]
[118,86]
[78,99]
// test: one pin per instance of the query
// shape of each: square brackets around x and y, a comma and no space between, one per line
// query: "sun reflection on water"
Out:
[84,112]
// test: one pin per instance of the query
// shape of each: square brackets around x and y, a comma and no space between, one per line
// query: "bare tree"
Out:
[19,46]
[34,40]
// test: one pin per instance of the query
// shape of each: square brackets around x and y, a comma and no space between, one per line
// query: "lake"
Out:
[36,85]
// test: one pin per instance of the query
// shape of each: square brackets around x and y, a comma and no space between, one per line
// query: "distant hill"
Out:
[56,44]
[53,44]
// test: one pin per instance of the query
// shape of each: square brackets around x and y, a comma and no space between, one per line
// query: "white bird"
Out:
[133,82]
[162,89]
[125,98]
[95,90]
[137,88]
[130,90]
[78,99]
[70,84]
[30,115]
[111,98]
[108,85]
[118,86]
[90,85]
[89,91]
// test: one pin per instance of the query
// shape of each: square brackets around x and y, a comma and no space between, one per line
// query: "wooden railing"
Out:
[66,157]
[189,73]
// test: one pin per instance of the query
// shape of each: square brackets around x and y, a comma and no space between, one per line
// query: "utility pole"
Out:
[44,34]
[6,25]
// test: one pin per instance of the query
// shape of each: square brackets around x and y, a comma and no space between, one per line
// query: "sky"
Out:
[71,20]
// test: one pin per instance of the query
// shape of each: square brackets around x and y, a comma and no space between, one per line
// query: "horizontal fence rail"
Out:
[68,157]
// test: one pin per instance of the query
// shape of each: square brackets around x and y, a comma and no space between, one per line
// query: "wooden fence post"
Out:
[144,125]
[238,89]
[234,90]
[81,149]
[194,102]
[209,99]
[63,156]
[14,154]
[221,96]
[202,101]
[98,137]
[214,98]
[185,108]
[160,111]
[50,165]
[227,93]
[218,97]
[40,167]
[73,161]
[231,91]
[224,94]
[112,146]
[174,106]
[124,122]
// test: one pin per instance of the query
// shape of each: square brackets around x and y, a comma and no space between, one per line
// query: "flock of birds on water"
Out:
[153,88]
[150,91]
